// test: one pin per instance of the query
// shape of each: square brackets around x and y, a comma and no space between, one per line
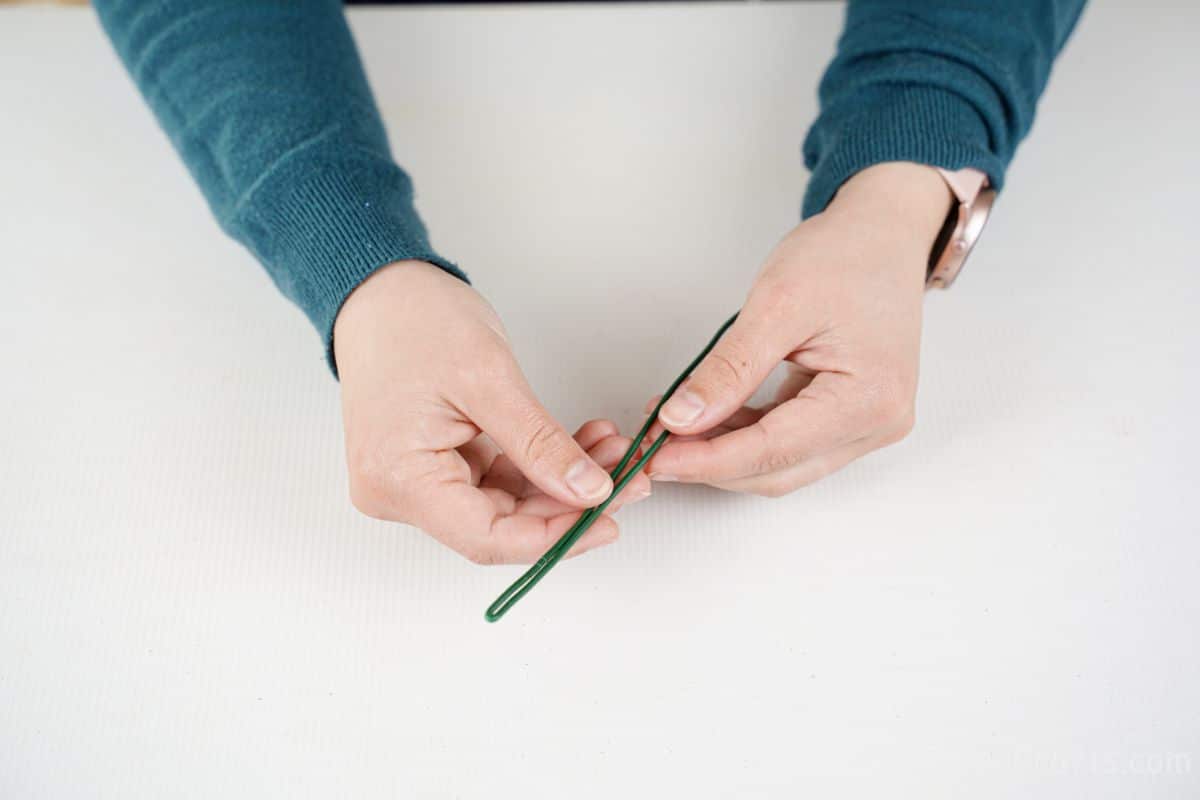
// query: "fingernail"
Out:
[683,408]
[664,478]
[588,481]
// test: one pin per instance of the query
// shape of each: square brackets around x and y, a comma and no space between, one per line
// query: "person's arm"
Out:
[916,84]
[951,83]
[267,103]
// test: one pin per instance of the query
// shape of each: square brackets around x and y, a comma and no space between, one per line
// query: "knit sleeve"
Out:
[269,107]
[948,83]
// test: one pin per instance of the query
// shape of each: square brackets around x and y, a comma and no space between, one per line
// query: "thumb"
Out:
[725,379]
[508,411]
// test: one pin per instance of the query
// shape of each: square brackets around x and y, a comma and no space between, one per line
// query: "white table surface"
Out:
[1005,605]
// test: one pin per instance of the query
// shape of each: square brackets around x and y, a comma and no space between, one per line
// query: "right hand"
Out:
[443,431]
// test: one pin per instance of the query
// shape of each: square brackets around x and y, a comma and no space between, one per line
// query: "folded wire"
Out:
[522,585]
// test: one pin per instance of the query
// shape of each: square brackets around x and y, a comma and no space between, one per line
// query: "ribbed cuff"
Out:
[323,235]
[891,122]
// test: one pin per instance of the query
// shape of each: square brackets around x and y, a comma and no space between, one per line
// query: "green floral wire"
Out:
[521,586]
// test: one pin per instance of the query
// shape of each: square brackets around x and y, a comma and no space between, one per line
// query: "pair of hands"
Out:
[443,431]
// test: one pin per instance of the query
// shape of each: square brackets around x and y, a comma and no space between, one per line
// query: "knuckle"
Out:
[776,296]
[364,501]
[487,372]
[902,428]
[489,339]
[777,486]
[491,365]
[771,456]
[892,403]
[776,460]
[885,412]
[370,488]
[377,486]
[729,368]
[481,556]
[775,490]
[543,442]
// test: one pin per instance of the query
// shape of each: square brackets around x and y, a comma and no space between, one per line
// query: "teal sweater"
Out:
[267,103]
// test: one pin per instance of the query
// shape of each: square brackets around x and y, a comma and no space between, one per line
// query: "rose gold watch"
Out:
[962,227]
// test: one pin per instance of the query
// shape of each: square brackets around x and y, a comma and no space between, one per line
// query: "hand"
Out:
[840,300]
[443,432]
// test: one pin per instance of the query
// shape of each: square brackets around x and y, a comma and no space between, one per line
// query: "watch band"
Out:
[963,225]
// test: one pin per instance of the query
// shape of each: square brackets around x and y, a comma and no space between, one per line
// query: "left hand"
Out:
[840,300]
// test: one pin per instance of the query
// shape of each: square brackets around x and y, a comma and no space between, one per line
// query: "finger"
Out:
[795,380]
[473,524]
[506,409]
[746,415]
[479,453]
[546,507]
[604,531]
[504,503]
[594,431]
[607,452]
[821,418]
[431,490]
[809,471]
[520,539]
[504,475]
[727,377]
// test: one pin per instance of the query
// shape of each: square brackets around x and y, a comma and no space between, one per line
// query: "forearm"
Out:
[952,84]
[268,105]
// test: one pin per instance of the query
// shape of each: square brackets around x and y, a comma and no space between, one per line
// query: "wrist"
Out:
[398,288]
[905,202]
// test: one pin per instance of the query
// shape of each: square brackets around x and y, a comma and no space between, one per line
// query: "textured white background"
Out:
[1006,605]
